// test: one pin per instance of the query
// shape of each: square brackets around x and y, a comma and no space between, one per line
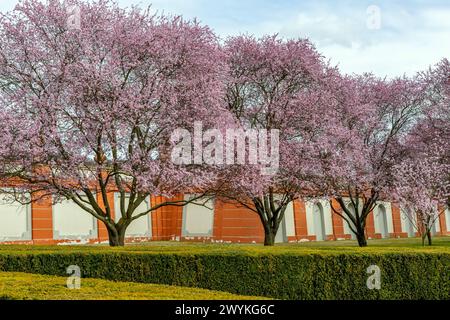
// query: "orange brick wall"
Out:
[166,221]
[396,221]
[236,224]
[338,223]
[370,227]
[102,231]
[301,230]
[443,223]
[42,221]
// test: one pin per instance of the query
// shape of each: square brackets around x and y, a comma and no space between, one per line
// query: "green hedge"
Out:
[307,276]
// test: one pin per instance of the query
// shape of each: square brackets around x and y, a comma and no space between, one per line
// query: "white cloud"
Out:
[409,40]
[176,7]
[413,34]
[436,18]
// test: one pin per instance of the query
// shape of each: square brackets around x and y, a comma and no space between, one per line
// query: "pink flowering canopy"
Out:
[105,97]
[423,177]
[278,85]
[373,117]
[422,190]
[89,105]
[283,87]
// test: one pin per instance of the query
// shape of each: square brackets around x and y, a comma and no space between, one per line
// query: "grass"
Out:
[411,245]
[25,286]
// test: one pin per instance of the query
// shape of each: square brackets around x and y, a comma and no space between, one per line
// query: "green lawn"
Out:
[440,244]
[415,243]
[25,286]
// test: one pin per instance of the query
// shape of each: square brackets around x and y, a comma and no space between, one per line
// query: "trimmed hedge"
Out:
[287,275]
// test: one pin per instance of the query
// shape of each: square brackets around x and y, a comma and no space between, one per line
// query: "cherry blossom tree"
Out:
[433,134]
[422,192]
[373,116]
[275,86]
[423,177]
[89,102]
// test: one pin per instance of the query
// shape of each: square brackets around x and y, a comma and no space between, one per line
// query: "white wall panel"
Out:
[142,227]
[407,224]
[437,224]
[327,214]
[347,229]
[287,225]
[198,220]
[72,222]
[289,220]
[389,220]
[447,219]
[309,208]
[15,223]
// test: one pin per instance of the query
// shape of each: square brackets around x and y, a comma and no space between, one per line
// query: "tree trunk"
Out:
[430,242]
[361,234]
[269,236]
[356,217]
[116,237]
[361,237]
[271,214]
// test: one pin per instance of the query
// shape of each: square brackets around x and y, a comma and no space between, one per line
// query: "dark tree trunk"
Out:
[116,236]
[271,215]
[430,242]
[269,236]
[361,237]
[357,218]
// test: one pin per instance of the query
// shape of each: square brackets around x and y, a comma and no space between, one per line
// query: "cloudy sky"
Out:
[388,38]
